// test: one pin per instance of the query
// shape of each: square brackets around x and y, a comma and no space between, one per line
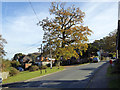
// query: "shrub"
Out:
[48,65]
[102,58]
[15,64]
[43,67]
[5,65]
[13,71]
[33,68]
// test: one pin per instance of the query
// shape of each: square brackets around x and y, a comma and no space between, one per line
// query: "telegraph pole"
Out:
[50,55]
[40,49]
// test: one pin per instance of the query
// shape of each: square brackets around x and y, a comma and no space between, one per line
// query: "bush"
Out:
[13,71]
[33,68]
[102,58]
[6,64]
[48,65]
[15,64]
[43,67]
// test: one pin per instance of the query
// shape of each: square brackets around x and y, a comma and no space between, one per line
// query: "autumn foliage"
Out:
[65,32]
[2,42]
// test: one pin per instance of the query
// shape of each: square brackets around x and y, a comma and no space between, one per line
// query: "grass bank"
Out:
[114,78]
[22,76]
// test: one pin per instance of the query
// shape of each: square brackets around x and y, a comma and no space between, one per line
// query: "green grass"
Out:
[109,70]
[114,79]
[22,76]
[114,83]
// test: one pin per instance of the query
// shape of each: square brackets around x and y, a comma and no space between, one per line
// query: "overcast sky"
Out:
[23,35]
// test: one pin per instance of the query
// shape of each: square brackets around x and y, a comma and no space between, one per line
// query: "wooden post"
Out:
[118,32]
[118,48]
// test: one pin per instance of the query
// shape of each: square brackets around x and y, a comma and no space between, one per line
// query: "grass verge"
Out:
[114,78]
[22,76]
[114,83]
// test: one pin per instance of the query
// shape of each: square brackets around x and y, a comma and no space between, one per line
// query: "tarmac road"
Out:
[72,77]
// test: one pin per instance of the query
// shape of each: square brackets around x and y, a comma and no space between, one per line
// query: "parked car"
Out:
[20,69]
[96,59]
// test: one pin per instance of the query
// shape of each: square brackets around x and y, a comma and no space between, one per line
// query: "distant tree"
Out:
[107,44]
[110,42]
[2,42]
[92,49]
[33,56]
[65,32]
[18,56]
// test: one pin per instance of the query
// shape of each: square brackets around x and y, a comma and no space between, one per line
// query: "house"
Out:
[47,61]
[25,61]
[40,60]
[26,65]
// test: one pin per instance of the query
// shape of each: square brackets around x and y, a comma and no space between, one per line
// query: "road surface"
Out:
[100,79]
[72,77]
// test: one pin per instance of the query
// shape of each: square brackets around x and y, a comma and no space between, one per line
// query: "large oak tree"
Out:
[65,32]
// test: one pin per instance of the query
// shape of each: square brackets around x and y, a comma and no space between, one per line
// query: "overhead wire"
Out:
[38,20]
[26,49]
[33,45]
[33,10]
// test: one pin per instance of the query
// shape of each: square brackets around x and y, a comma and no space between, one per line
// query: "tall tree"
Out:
[18,56]
[108,43]
[2,42]
[65,32]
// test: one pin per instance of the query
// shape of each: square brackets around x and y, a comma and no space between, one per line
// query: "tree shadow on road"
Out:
[87,69]
[71,83]
[49,84]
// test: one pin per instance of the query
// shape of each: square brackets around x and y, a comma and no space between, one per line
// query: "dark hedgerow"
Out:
[33,68]
[44,67]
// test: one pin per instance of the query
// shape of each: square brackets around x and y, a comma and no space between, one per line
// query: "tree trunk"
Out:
[58,64]
[63,35]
